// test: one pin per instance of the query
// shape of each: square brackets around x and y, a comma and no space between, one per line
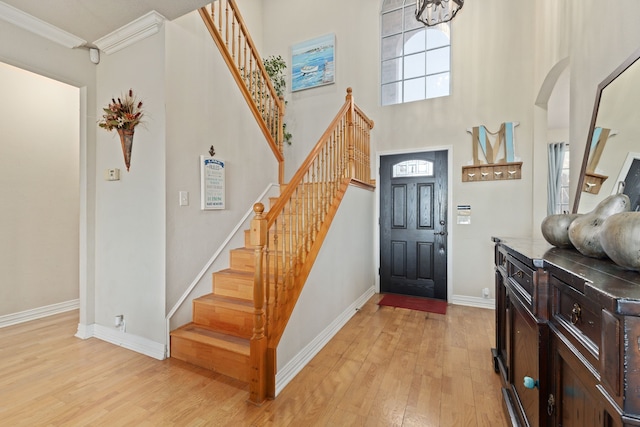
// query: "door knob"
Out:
[530,382]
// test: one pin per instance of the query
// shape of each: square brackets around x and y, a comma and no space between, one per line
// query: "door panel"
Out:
[413,232]
[399,212]
[425,260]
[399,257]
[425,206]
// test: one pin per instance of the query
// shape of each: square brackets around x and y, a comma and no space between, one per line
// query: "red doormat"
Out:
[414,303]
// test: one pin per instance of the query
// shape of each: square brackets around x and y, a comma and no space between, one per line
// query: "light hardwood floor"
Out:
[386,367]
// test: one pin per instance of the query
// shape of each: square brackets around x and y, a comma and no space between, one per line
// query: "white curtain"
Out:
[556,157]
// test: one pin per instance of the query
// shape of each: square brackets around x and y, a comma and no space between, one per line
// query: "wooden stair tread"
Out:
[251,251]
[212,338]
[238,304]
[234,272]
[244,275]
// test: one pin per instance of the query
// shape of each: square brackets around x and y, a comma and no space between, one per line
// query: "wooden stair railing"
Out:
[230,34]
[236,328]
[295,228]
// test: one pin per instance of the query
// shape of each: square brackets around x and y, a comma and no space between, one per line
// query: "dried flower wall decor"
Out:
[123,114]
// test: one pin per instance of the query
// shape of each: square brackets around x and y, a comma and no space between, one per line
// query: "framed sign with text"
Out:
[212,183]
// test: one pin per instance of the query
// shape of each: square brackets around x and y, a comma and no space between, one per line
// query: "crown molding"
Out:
[143,27]
[37,26]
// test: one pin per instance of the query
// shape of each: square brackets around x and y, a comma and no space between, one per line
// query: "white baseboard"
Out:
[123,339]
[473,301]
[38,313]
[295,365]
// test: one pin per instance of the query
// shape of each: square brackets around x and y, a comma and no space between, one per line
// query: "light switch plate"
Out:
[184,198]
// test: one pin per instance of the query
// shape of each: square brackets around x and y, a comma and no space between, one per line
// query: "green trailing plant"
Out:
[275,67]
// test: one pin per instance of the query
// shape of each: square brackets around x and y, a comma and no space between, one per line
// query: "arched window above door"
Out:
[412,168]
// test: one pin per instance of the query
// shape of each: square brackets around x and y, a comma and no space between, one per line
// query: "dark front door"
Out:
[413,227]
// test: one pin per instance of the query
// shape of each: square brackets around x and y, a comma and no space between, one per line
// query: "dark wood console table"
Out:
[567,337]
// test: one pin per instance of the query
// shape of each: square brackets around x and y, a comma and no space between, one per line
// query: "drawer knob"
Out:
[576,313]
[519,274]
[530,382]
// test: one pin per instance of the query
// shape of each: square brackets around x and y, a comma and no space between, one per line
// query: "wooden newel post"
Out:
[351,133]
[257,358]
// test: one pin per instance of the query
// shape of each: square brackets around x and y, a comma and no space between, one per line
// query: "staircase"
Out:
[236,329]
[218,338]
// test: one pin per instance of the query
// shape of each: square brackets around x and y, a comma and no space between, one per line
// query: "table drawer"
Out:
[522,275]
[579,316]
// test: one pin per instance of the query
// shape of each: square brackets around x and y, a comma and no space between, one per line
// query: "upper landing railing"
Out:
[224,22]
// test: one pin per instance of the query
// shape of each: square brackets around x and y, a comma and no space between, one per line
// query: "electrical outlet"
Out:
[485,293]
[112,174]
[119,320]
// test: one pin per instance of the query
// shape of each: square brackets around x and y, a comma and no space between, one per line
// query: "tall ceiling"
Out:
[91,20]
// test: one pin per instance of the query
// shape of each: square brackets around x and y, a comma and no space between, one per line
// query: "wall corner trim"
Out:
[143,27]
[84,331]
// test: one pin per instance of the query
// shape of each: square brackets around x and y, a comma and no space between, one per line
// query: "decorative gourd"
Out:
[584,232]
[620,239]
[555,229]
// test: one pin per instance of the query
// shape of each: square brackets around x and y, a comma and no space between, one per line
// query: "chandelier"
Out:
[434,12]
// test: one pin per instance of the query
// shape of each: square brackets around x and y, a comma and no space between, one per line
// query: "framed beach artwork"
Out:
[313,63]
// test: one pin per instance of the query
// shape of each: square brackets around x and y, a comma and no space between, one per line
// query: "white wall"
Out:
[39,187]
[343,272]
[72,67]
[204,108]
[355,25]
[130,213]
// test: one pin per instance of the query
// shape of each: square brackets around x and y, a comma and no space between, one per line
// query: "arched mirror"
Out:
[612,153]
